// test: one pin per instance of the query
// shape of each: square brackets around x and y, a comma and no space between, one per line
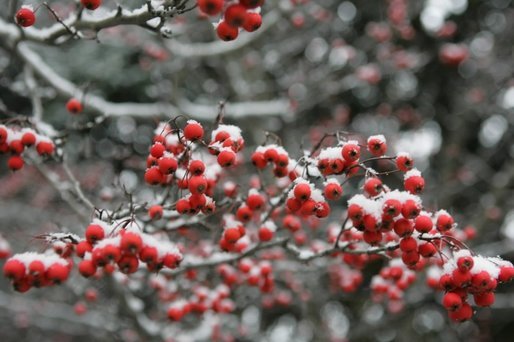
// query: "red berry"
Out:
[3,135]
[258,160]
[14,269]
[25,17]
[372,238]
[377,145]
[410,209]
[155,212]
[196,167]
[175,314]
[452,301]
[410,258]
[506,273]
[465,263]
[57,273]
[226,158]
[197,184]
[167,165]
[351,152]
[302,191]
[231,235]
[82,247]
[87,268]
[423,223]
[404,162]
[91,4]
[153,176]
[45,148]
[210,7]
[408,244]
[355,212]
[463,314]
[403,227]
[131,242]
[414,184]
[255,201]
[373,186]
[427,250]
[148,255]
[183,206]
[193,131]
[226,32]
[74,106]
[28,139]
[308,207]
[392,207]
[15,163]
[244,213]
[265,234]
[235,15]
[197,202]
[461,279]
[333,191]
[94,233]
[322,209]
[128,264]
[252,22]
[444,222]
[157,150]
[484,299]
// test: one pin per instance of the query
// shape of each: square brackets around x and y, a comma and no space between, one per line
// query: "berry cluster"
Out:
[467,275]
[106,247]
[16,140]
[306,200]
[235,15]
[30,269]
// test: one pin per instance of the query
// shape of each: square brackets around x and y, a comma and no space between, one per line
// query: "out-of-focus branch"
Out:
[100,106]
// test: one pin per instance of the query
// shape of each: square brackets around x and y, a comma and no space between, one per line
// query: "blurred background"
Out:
[434,76]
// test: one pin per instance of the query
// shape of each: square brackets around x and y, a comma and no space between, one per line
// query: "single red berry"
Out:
[255,201]
[131,242]
[404,162]
[465,263]
[423,223]
[302,191]
[25,16]
[3,134]
[148,255]
[167,165]
[258,160]
[45,148]
[197,184]
[403,227]
[308,207]
[392,207]
[155,212]
[463,314]
[452,301]
[355,212]
[351,152]
[28,139]
[74,106]
[128,264]
[91,4]
[94,232]
[322,209]
[226,158]
[414,184]
[444,222]
[265,234]
[210,7]
[377,145]
[408,244]
[484,299]
[14,269]
[193,131]
[235,15]
[427,250]
[226,32]
[333,191]
[153,176]
[196,167]
[175,313]
[461,279]
[410,209]
[373,186]
[82,247]
[15,163]
[197,202]
[157,150]
[252,22]
[183,206]
[372,237]
[57,273]
[87,268]
[231,235]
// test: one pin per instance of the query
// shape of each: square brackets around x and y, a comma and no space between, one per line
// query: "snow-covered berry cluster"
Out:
[15,141]
[234,15]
